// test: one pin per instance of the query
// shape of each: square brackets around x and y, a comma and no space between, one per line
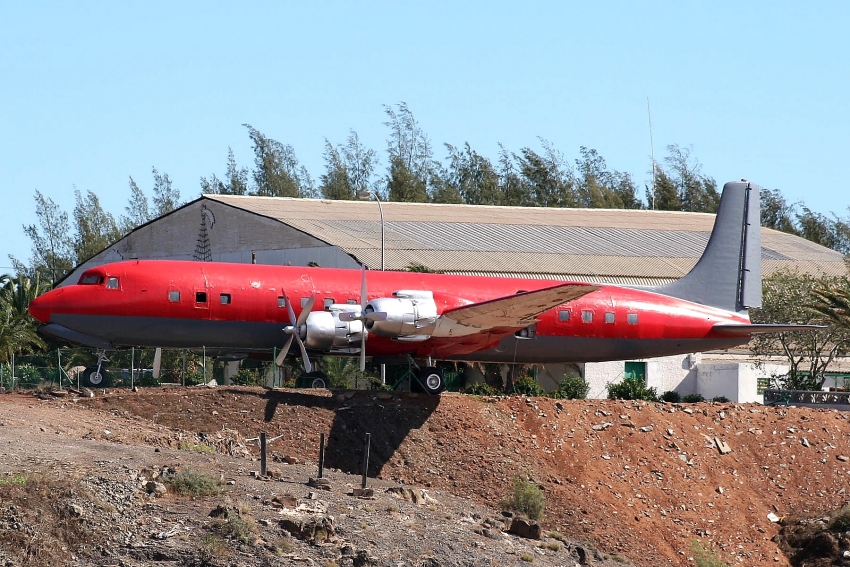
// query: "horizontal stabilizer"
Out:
[744,330]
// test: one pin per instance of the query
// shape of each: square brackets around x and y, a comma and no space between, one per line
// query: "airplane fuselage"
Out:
[178,304]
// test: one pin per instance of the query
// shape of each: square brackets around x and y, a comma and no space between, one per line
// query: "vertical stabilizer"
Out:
[728,275]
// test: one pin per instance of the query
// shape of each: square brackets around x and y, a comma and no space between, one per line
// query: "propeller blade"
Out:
[363,350]
[281,355]
[305,311]
[291,311]
[363,289]
[376,316]
[307,366]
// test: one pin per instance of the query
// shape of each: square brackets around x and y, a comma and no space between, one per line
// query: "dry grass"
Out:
[43,520]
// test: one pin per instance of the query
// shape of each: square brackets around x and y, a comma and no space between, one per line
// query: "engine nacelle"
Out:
[325,332]
[410,313]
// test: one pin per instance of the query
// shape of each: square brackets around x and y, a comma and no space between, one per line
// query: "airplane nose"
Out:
[41,306]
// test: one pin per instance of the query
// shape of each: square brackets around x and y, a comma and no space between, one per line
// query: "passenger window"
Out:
[587,316]
[304,301]
[564,315]
[281,301]
[632,318]
[174,296]
[224,298]
[112,283]
[200,297]
[351,301]
[609,317]
[328,302]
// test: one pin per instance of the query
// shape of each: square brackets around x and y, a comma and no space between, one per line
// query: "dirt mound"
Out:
[634,479]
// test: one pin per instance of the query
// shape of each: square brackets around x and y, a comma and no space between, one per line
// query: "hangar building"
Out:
[627,247]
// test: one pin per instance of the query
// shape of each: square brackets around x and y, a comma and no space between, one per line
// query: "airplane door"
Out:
[201,299]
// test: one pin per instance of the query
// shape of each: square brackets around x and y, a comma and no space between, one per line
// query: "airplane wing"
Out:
[755,329]
[511,312]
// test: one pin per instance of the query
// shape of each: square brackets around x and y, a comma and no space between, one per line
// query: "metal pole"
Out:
[262,453]
[366,460]
[381,210]
[321,455]
[132,367]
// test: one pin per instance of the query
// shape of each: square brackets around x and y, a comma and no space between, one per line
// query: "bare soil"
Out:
[625,482]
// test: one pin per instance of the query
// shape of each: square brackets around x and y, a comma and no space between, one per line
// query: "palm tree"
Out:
[17,328]
[834,304]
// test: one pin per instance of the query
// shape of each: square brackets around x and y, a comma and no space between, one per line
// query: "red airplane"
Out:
[248,307]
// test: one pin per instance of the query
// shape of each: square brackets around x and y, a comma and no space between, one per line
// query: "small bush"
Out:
[571,388]
[237,527]
[528,386]
[703,556]
[631,389]
[480,389]
[671,396]
[526,498]
[527,557]
[720,399]
[191,483]
[841,522]
[693,399]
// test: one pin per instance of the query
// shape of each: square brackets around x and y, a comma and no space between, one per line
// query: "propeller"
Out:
[365,316]
[293,331]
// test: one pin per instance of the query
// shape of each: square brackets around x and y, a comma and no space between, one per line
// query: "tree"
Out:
[664,196]
[52,246]
[776,212]
[787,298]
[472,177]
[349,169]
[137,209]
[236,177]
[600,188]
[516,190]
[697,193]
[17,328]
[550,178]
[165,197]
[411,166]
[276,169]
[94,228]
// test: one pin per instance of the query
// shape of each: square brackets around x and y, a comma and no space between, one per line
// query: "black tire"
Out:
[431,380]
[94,378]
[315,379]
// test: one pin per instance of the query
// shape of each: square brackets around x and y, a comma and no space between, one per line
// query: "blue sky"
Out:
[92,93]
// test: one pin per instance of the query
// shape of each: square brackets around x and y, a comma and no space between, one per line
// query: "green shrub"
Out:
[631,389]
[245,377]
[571,388]
[191,483]
[525,498]
[528,386]
[480,389]
[693,399]
[841,522]
[671,396]
[721,399]
[703,556]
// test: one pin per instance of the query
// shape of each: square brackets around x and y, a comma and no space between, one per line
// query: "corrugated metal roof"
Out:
[614,246]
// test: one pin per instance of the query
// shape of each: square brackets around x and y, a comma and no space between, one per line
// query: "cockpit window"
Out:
[91,279]
[112,283]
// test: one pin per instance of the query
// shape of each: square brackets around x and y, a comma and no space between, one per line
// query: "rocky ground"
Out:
[624,482]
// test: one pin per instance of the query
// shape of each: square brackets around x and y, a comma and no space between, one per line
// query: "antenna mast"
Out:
[651,153]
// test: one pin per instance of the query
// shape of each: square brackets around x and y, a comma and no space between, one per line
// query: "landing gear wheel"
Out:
[431,380]
[94,377]
[315,379]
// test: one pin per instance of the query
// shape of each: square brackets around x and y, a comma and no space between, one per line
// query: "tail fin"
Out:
[728,275]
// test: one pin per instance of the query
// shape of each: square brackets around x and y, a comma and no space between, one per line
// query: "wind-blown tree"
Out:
[276,169]
[166,198]
[776,212]
[664,196]
[94,228]
[411,165]
[549,176]
[349,169]
[834,304]
[697,192]
[17,328]
[137,212]
[516,190]
[52,246]
[472,176]
[600,188]
[787,298]
[235,179]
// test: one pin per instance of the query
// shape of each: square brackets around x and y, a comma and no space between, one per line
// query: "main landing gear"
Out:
[431,380]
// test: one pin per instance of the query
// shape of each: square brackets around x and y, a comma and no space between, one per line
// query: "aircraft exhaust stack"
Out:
[728,275]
